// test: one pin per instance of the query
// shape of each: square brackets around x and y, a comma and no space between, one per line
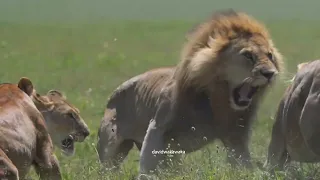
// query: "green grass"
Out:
[88,61]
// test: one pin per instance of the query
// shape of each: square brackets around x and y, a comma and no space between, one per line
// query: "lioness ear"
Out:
[26,85]
[55,93]
[299,66]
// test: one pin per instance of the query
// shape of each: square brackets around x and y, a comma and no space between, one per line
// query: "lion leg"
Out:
[44,144]
[112,148]
[173,162]
[238,150]
[45,162]
[138,145]
[9,170]
[111,155]
[153,141]
[48,172]
[277,153]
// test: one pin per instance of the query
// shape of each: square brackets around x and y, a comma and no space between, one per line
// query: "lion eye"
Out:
[270,55]
[248,55]
[71,115]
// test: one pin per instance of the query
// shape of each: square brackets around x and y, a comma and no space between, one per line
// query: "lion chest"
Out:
[191,137]
[193,126]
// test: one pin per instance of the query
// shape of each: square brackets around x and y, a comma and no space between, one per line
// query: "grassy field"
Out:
[88,60]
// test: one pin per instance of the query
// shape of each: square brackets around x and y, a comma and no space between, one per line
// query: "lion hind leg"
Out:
[313,143]
[277,157]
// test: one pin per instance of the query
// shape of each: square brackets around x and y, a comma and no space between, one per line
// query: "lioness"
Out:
[213,93]
[27,118]
[296,130]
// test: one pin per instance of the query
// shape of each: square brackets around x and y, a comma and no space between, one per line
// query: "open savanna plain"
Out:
[88,60]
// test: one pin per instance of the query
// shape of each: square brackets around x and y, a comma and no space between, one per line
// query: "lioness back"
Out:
[134,102]
[295,131]
[17,133]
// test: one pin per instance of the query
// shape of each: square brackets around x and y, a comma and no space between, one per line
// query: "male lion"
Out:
[213,93]
[27,119]
[296,130]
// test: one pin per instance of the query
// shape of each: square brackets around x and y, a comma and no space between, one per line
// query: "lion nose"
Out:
[268,73]
[86,133]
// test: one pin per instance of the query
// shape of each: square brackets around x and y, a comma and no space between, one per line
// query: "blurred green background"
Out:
[87,48]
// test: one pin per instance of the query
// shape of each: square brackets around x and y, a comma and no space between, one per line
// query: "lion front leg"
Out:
[49,172]
[154,140]
[45,162]
[237,146]
[7,168]
[153,144]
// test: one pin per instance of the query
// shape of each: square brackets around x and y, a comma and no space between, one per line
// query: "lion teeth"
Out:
[71,137]
[242,98]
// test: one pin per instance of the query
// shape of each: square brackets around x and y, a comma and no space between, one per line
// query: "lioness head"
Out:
[299,66]
[231,47]
[63,120]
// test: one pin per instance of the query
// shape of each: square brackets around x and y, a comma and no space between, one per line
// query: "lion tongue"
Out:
[244,92]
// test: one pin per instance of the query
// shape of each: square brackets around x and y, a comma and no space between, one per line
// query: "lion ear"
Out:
[216,42]
[55,93]
[44,101]
[211,41]
[299,66]
[26,85]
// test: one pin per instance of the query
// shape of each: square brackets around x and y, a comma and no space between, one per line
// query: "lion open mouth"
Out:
[3,173]
[243,94]
[67,145]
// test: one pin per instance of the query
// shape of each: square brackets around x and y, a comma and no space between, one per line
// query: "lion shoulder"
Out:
[17,113]
[13,99]
[148,83]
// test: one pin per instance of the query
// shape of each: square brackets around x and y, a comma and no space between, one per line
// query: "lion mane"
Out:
[217,33]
